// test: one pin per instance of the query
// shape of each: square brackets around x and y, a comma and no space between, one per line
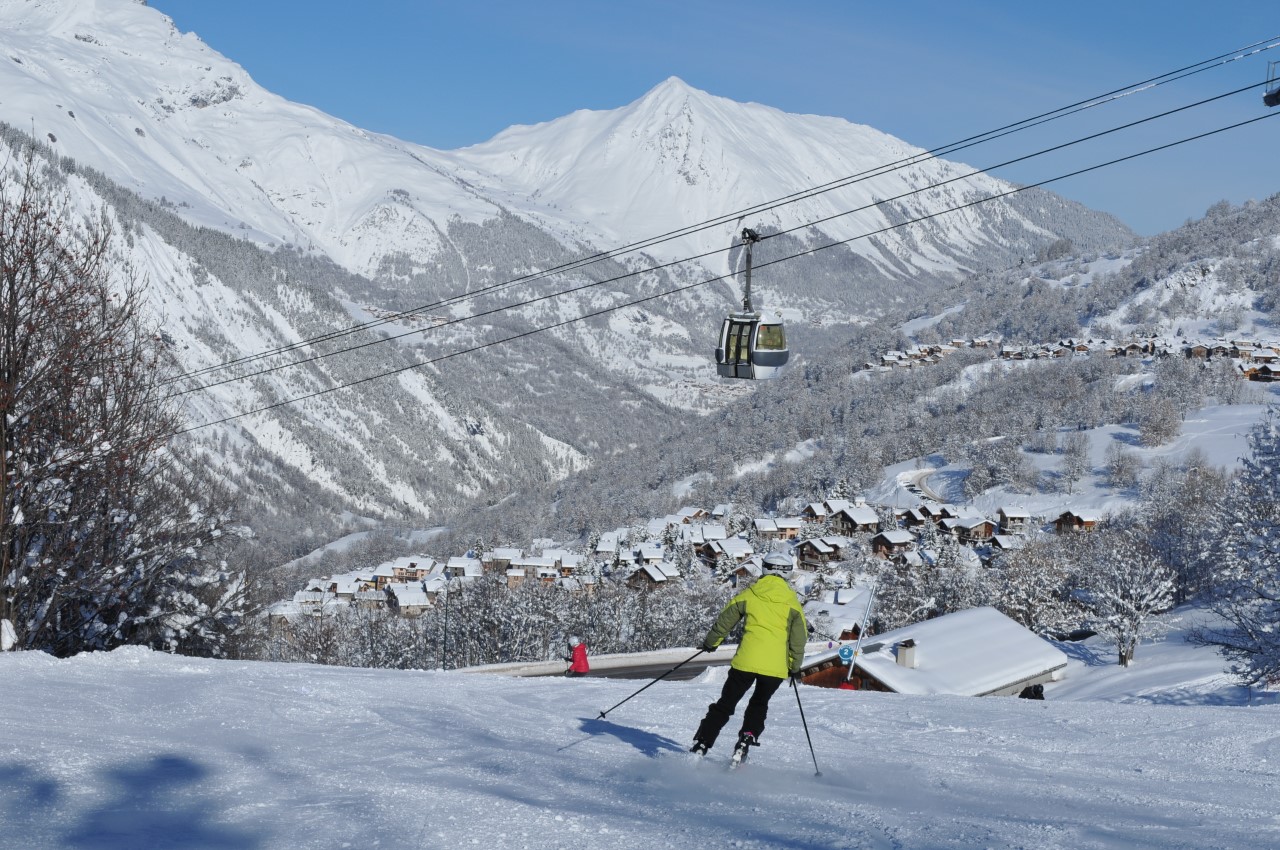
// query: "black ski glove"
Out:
[706,647]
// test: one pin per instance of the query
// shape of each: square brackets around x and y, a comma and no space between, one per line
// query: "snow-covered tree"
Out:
[1033,584]
[107,535]
[1246,592]
[1124,584]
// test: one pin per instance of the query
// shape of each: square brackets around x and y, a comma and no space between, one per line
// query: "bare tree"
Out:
[105,535]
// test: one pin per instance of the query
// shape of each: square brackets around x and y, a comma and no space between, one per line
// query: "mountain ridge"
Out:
[113,86]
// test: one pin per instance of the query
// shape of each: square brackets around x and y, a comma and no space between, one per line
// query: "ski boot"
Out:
[746,741]
[699,748]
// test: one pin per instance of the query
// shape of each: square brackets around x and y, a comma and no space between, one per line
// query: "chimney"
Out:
[907,653]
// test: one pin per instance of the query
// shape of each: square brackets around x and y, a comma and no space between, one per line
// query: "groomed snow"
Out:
[133,749]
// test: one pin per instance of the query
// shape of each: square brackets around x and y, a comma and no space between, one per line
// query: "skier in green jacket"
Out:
[771,649]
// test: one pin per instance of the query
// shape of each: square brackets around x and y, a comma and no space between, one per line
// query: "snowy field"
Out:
[133,749]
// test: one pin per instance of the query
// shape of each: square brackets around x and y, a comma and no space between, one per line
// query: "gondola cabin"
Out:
[1271,94]
[752,346]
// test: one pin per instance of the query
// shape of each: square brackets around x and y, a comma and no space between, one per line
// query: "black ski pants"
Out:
[735,686]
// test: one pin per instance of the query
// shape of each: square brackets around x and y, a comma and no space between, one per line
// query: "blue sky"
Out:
[449,75]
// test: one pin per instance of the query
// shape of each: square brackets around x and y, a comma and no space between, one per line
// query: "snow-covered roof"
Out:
[968,653]
[533,562]
[653,571]
[845,607]
[734,547]
[861,515]
[503,553]
[897,536]
[468,567]
[818,545]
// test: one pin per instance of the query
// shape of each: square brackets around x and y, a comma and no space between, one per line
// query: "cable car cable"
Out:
[915,159]
[497,310]
[686,287]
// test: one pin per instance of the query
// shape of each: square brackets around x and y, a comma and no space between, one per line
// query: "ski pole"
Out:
[655,681]
[796,687]
[862,631]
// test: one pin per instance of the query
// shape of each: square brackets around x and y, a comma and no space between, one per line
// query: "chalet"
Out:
[515,577]
[971,530]
[721,512]
[371,599]
[893,542]
[693,514]
[1265,373]
[746,571]
[937,512]
[343,588]
[1013,520]
[702,533]
[408,600]
[833,505]
[383,575]
[499,559]
[464,568]
[789,527]
[608,545]
[658,527]
[820,550]
[855,520]
[766,529]
[649,553]
[1199,351]
[1008,542]
[814,512]
[558,556]
[411,569]
[914,517]
[734,548]
[978,652]
[538,567]
[1265,355]
[312,601]
[651,575]
[1075,521]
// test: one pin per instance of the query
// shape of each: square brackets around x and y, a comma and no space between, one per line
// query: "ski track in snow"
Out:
[134,749]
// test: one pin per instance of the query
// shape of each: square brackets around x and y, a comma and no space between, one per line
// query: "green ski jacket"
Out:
[774,636]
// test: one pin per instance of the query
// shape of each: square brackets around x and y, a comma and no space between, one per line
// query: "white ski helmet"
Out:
[778,564]
[574,640]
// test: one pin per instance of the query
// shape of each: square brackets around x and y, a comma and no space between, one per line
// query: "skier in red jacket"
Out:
[577,657]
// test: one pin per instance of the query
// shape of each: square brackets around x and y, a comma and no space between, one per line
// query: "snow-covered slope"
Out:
[134,749]
[114,85]
[111,85]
